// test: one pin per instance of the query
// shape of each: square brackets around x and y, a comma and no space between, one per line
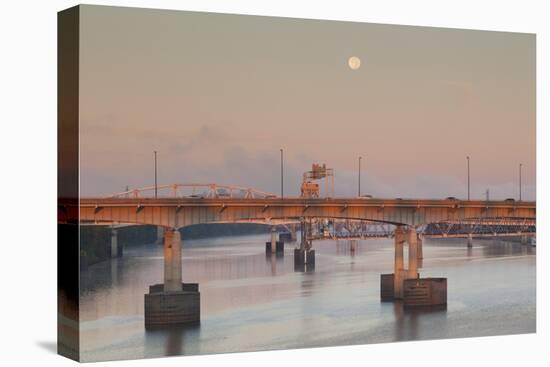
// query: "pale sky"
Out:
[218,95]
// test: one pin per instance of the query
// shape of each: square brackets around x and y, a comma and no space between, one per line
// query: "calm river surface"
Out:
[252,302]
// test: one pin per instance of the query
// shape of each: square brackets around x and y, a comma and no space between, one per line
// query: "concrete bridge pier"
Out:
[116,247]
[173,302]
[420,244]
[293,236]
[274,247]
[412,240]
[172,261]
[399,272]
[391,285]
[406,284]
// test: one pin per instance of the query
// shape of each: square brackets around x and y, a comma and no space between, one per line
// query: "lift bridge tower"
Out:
[310,188]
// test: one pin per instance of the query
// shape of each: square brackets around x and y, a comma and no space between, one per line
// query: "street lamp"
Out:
[282,185]
[156,191]
[520,166]
[468,163]
[359,179]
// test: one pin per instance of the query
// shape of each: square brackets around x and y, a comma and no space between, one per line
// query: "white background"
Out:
[28,181]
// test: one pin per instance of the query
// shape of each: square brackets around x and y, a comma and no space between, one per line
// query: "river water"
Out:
[250,301]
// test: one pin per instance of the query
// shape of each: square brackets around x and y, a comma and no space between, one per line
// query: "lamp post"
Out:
[359,179]
[468,164]
[520,166]
[156,191]
[282,184]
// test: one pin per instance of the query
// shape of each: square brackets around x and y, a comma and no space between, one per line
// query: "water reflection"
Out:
[273,259]
[409,321]
[251,300]
[174,340]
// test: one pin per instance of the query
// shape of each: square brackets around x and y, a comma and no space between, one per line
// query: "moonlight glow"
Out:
[354,63]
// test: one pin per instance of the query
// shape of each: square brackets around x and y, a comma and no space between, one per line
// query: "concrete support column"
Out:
[172,260]
[303,235]
[412,239]
[309,229]
[114,243]
[293,232]
[273,239]
[420,250]
[398,263]
[470,240]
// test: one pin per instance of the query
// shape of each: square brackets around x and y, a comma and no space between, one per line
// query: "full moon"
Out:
[354,63]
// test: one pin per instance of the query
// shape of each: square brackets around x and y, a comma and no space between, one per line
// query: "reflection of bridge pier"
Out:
[160,235]
[173,302]
[524,240]
[116,246]
[352,246]
[304,256]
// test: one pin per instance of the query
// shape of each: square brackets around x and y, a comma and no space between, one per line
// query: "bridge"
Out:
[465,228]
[178,205]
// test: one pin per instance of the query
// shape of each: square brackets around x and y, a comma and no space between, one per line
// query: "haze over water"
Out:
[252,302]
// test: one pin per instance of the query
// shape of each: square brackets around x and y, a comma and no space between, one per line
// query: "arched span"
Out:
[264,221]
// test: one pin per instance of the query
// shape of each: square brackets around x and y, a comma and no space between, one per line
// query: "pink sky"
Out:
[219,95]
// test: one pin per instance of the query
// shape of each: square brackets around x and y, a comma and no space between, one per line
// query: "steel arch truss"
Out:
[207,191]
[481,227]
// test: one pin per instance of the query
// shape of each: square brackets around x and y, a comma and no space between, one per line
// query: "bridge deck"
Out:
[179,212]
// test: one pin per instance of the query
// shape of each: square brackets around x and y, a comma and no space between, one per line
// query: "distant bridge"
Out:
[465,228]
[198,190]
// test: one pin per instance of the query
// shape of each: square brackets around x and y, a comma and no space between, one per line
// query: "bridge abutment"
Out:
[172,303]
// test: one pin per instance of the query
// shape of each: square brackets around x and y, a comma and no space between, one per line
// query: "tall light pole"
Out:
[282,184]
[156,191]
[468,163]
[520,166]
[359,179]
